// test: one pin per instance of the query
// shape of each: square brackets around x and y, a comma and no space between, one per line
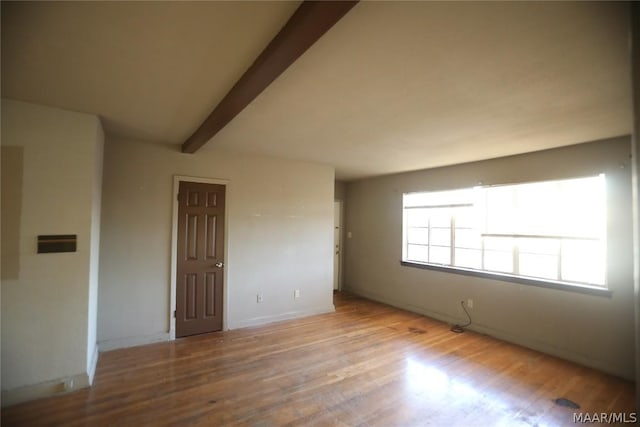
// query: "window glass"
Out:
[468,238]
[549,230]
[440,255]
[418,253]
[536,265]
[469,258]
[582,261]
[441,236]
[498,261]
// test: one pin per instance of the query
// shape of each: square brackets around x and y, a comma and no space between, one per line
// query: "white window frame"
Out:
[514,275]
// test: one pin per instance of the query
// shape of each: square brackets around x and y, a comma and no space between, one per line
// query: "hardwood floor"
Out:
[365,365]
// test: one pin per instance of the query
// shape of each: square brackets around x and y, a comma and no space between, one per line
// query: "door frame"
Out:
[177,179]
[340,204]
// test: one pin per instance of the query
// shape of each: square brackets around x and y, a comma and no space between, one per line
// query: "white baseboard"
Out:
[501,335]
[54,387]
[45,389]
[114,344]
[258,321]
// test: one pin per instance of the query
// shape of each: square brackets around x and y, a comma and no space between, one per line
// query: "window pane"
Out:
[470,258]
[441,236]
[583,207]
[440,217]
[467,218]
[440,255]
[583,261]
[417,217]
[537,206]
[498,243]
[498,261]
[417,253]
[500,210]
[539,246]
[418,235]
[534,265]
[466,238]
[548,210]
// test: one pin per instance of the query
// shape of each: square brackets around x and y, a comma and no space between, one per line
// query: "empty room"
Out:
[320,213]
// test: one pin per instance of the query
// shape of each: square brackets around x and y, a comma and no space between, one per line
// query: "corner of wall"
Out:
[91,369]
[50,345]
[94,248]
[55,387]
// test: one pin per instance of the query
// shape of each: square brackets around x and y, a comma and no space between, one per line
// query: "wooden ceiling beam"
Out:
[307,24]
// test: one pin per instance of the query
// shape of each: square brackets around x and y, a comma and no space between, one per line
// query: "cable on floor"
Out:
[458,329]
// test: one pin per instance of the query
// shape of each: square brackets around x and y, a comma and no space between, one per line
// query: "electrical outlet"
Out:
[470,303]
[259,298]
[296,293]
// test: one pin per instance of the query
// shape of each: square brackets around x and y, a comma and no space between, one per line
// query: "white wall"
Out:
[593,330]
[47,311]
[280,238]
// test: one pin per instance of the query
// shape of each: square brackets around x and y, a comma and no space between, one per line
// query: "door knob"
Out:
[219,264]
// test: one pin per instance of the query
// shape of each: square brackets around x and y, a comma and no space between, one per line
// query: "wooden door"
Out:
[200,258]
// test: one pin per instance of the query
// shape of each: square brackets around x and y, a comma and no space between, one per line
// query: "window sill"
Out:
[551,284]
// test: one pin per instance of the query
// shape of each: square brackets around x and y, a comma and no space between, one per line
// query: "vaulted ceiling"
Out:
[393,86]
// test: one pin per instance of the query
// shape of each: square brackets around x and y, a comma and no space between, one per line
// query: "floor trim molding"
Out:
[114,344]
[263,320]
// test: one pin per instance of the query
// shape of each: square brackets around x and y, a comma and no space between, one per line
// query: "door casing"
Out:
[174,247]
[337,264]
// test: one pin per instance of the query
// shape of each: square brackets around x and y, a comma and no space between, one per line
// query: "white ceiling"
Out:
[393,86]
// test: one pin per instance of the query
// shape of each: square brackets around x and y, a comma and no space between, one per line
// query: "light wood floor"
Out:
[365,365]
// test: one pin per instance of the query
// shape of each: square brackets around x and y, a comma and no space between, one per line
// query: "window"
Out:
[552,230]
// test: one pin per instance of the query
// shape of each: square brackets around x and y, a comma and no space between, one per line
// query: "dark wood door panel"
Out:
[211,244]
[200,258]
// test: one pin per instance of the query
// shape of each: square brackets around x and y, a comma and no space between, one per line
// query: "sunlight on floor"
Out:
[435,385]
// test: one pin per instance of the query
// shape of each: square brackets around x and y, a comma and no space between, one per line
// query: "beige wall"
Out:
[280,237]
[593,330]
[340,190]
[47,319]
[11,191]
